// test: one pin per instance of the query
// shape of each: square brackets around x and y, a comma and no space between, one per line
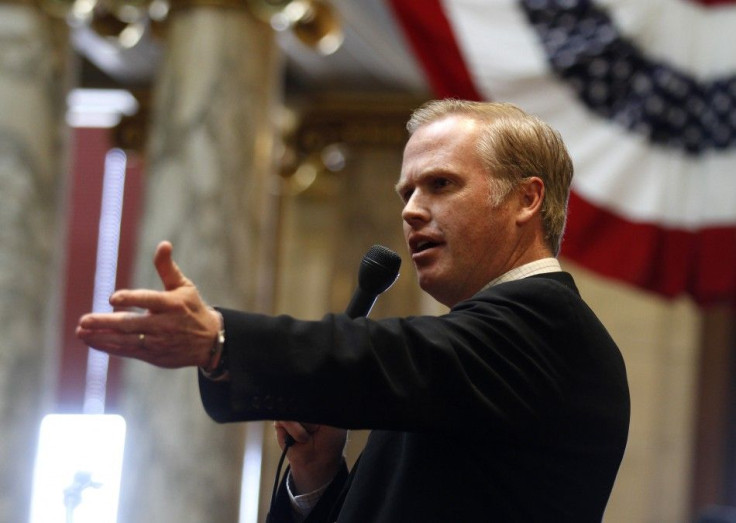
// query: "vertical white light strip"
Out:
[108,240]
[79,458]
[251,479]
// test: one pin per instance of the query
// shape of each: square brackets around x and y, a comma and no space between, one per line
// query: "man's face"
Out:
[457,239]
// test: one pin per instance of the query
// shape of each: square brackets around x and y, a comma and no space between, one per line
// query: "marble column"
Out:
[209,165]
[31,108]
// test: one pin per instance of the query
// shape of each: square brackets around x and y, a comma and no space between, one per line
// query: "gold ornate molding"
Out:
[54,8]
[327,131]
[265,10]
[365,120]
[132,131]
[177,5]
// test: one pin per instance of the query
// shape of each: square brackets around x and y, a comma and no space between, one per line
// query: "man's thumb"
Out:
[167,269]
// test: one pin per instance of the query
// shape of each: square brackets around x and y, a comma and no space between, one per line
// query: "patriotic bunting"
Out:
[644,94]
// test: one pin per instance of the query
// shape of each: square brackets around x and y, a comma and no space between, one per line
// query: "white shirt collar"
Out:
[540,266]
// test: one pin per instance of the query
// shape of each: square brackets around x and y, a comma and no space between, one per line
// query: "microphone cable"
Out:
[288,442]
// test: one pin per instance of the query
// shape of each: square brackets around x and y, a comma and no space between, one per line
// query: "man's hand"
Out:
[176,329]
[317,454]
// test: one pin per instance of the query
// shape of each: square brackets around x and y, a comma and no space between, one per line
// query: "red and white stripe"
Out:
[649,215]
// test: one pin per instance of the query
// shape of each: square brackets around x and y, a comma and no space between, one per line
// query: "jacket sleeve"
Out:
[500,358]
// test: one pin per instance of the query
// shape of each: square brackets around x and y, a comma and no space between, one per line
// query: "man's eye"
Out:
[439,183]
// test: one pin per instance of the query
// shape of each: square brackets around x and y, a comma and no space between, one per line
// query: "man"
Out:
[513,406]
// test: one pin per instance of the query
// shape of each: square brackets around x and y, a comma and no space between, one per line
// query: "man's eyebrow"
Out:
[403,184]
[418,180]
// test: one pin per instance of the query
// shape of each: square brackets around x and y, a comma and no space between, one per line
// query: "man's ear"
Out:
[531,197]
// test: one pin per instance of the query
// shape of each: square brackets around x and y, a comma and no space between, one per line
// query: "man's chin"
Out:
[430,284]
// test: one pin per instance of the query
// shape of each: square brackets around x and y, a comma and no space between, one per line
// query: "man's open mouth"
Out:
[423,245]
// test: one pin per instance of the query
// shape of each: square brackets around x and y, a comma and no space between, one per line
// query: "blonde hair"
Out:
[514,145]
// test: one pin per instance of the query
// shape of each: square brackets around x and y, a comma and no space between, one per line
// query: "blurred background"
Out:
[264,137]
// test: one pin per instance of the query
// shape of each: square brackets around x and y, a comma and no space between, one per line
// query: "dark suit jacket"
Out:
[514,406]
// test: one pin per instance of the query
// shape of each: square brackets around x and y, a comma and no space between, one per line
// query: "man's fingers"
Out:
[169,272]
[114,342]
[140,298]
[155,301]
[295,429]
[121,322]
[156,349]
[311,428]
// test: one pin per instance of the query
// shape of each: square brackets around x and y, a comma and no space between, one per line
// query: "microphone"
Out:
[379,269]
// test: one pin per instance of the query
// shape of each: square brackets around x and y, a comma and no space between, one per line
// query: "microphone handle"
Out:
[360,304]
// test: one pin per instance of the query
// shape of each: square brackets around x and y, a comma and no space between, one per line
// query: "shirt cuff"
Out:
[303,504]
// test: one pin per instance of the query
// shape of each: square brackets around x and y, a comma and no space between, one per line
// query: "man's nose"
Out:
[415,209]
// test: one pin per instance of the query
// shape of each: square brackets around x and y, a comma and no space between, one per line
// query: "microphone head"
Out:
[379,269]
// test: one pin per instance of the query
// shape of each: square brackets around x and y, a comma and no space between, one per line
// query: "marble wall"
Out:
[32,65]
